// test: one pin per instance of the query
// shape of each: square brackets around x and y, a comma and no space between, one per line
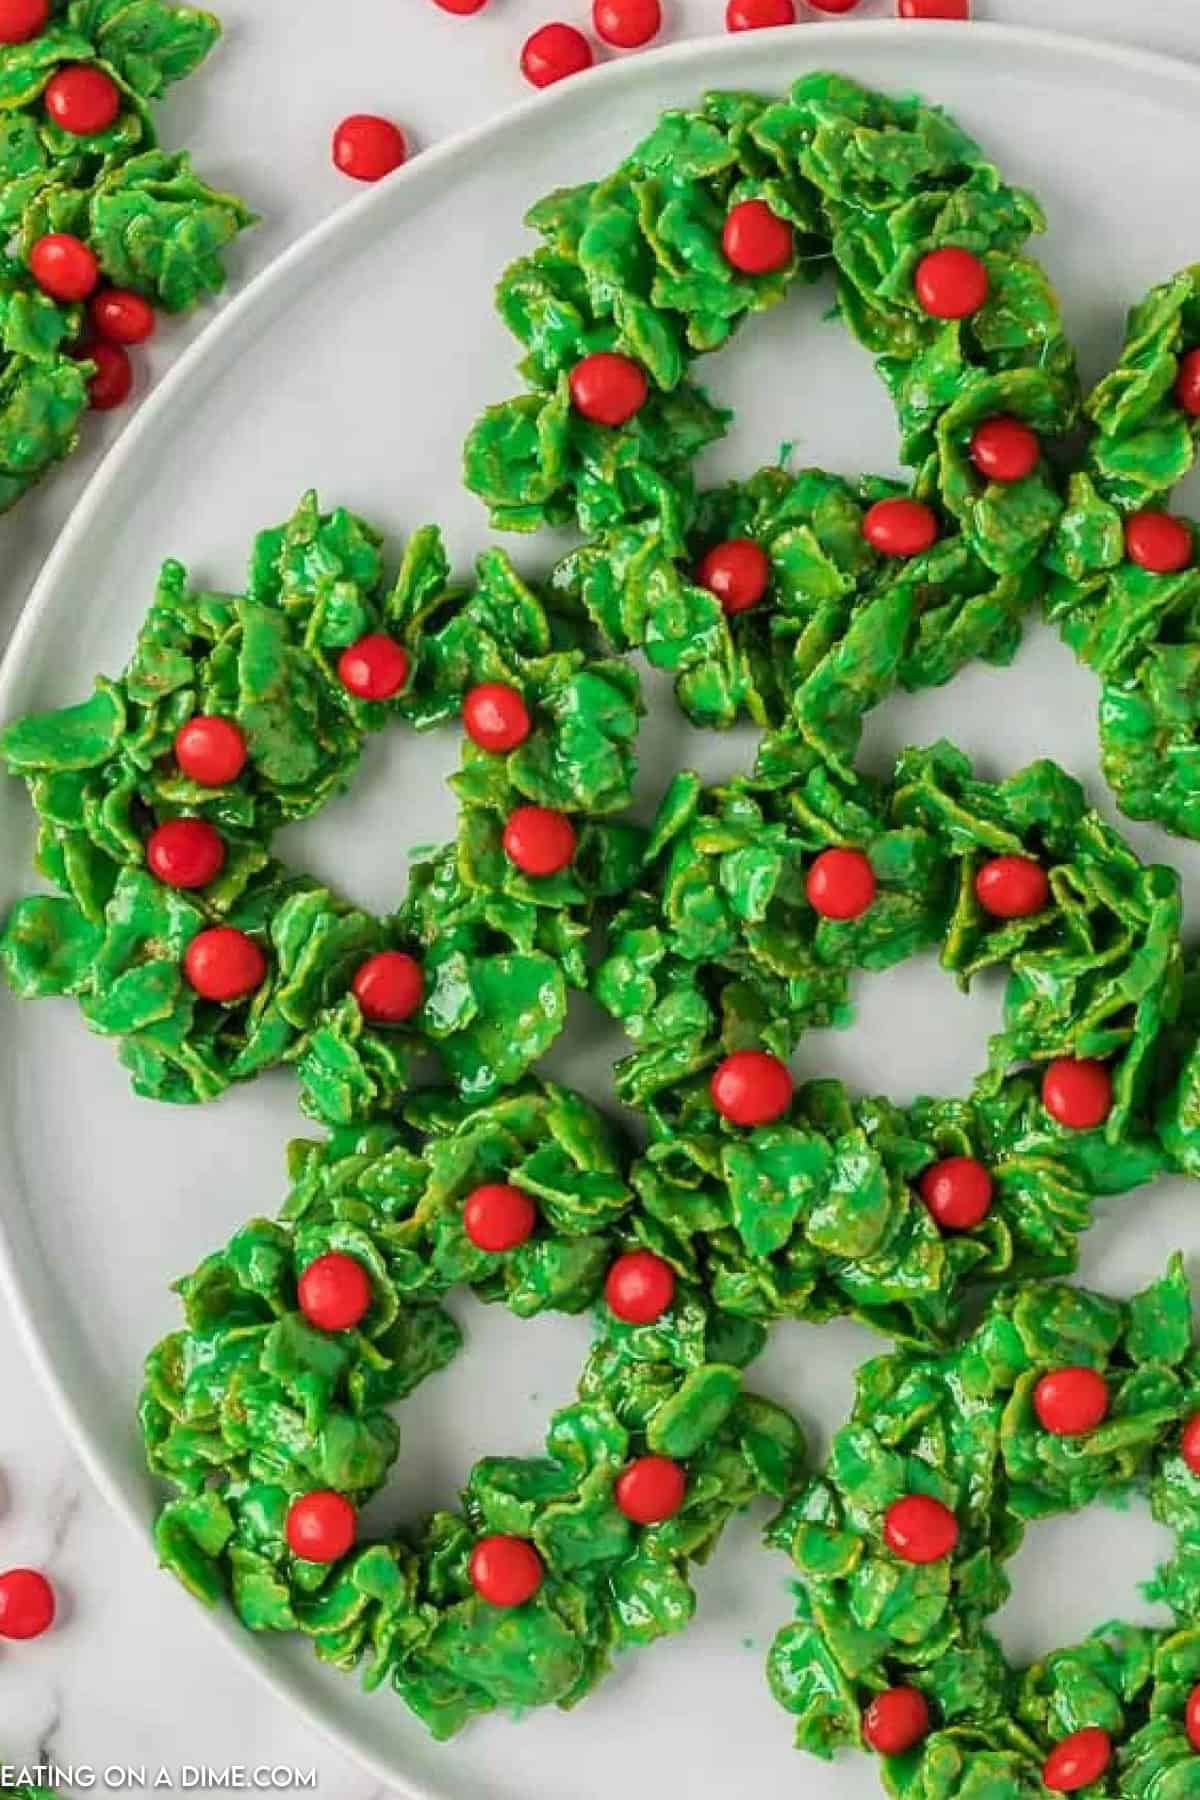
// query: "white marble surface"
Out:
[122,1680]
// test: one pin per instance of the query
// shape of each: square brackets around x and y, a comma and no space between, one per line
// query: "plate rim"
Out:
[100,1456]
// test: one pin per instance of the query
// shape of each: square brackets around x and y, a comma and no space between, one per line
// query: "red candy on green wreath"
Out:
[719,933]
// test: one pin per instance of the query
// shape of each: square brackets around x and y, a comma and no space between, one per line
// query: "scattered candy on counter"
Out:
[627,24]
[367,147]
[554,52]
[27,1604]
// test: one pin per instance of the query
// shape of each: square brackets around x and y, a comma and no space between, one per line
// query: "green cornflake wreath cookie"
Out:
[727,947]
[717,937]
[712,218]
[1059,1397]
[318,652]
[257,1415]
[1125,589]
[85,165]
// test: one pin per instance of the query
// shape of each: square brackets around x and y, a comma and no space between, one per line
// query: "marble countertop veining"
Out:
[128,1677]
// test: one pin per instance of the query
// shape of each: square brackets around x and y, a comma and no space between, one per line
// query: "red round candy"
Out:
[1077,1761]
[639,1287]
[539,841]
[26,1597]
[958,1192]
[374,668]
[651,1489]
[224,964]
[21,20]
[185,853]
[554,52]
[1159,542]
[334,1292]
[81,99]
[1071,1401]
[367,147]
[950,283]
[505,1571]
[1077,1091]
[121,317]
[751,1087]
[608,388]
[737,572]
[1187,383]
[1005,449]
[840,884]
[495,716]
[462,7]
[389,987]
[498,1217]
[753,15]
[919,1529]
[900,527]
[627,23]
[321,1526]
[1189,1444]
[63,266]
[1191,1718]
[896,1720]
[1012,887]
[934,9]
[112,383]
[210,750]
[755,240]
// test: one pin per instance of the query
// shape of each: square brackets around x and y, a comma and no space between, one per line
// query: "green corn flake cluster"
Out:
[23,1790]
[694,933]
[1137,629]
[249,1405]
[151,222]
[499,951]
[845,627]
[634,263]
[961,1427]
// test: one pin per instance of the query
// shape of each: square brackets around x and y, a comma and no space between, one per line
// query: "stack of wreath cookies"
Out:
[717,933]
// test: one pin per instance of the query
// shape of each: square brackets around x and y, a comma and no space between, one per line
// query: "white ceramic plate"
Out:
[356,365]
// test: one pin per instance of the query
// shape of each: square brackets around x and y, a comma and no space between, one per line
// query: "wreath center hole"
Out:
[493,1399]
[913,1032]
[1072,1574]
[398,802]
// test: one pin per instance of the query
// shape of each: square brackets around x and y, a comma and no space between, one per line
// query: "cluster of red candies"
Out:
[227,965]
[919,1529]
[752,1087]
[335,1295]
[367,146]
[83,101]
[557,50]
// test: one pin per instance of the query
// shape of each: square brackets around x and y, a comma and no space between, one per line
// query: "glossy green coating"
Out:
[249,1405]
[840,628]
[152,223]
[43,391]
[718,950]
[499,950]
[1135,628]
[695,933]
[1130,1681]
[961,1427]
[23,1790]
[634,262]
